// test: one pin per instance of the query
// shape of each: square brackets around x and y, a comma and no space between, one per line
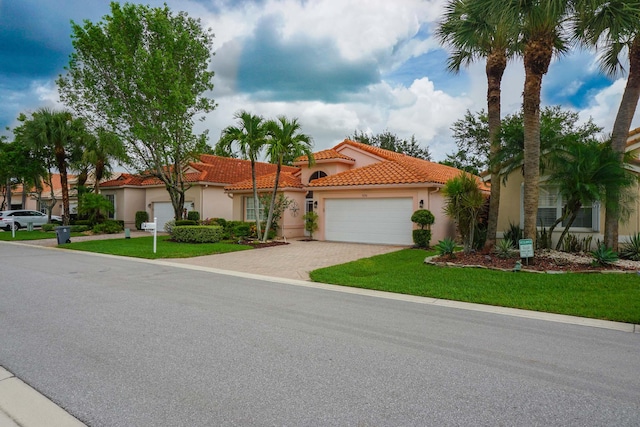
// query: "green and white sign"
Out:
[526,248]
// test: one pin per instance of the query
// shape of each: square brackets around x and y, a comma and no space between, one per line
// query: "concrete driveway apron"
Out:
[292,261]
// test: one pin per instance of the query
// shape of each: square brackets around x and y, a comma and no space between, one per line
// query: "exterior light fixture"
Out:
[315,204]
[421,204]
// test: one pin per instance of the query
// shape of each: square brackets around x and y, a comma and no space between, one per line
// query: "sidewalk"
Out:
[23,406]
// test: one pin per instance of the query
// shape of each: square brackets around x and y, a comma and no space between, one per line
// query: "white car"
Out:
[22,217]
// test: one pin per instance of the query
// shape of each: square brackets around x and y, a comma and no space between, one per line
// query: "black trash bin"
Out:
[64,234]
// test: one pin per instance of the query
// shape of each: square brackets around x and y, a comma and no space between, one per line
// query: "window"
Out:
[317,175]
[249,211]
[111,198]
[550,205]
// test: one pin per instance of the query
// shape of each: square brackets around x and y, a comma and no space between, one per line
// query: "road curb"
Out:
[23,406]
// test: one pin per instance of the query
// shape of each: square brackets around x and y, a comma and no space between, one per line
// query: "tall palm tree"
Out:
[285,141]
[250,136]
[474,34]
[59,137]
[612,27]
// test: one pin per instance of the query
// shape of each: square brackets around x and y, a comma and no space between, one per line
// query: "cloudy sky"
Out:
[337,65]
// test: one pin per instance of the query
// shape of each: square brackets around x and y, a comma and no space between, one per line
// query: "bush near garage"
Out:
[193,216]
[182,222]
[141,216]
[424,218]
[197,233]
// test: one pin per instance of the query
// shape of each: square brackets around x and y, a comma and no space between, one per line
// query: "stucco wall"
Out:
[291,223]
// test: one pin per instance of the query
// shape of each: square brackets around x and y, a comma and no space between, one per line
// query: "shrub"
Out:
[182,222]
[95,207]
[514,233]
[504,249]
[421,238]
[193,216]
[79,228]
[108,227]
[141,216]
[86,222]
[197,233]
[631,248]
[48,227]
[310,223]
[221,222]
[446,247]
[604,255]
[242,230]
[423,218]
[168,226]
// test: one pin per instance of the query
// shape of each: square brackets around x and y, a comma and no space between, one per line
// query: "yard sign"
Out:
[526,248]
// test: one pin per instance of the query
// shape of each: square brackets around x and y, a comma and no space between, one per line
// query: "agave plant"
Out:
[631,248]
[604,255]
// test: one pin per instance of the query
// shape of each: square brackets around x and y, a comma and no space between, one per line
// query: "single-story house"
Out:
[590,221]
[208,177]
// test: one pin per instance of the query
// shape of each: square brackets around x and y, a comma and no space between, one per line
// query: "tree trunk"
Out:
[64,184]
[272,205]
[619,136]
[256,202]
[496,64]
[8,194]
[537,56]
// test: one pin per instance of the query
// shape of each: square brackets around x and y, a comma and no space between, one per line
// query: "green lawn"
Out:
[602,296]
[142,247]
[30,235]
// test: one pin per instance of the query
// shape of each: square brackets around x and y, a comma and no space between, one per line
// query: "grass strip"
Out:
[142,247]
[21,235]
[594,295]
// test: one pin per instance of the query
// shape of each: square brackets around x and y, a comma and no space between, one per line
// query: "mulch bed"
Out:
[543,262]
[258,245]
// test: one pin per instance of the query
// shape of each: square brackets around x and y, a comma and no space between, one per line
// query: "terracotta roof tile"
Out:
[210,168]
[380,152]
[324,155]
[287,180]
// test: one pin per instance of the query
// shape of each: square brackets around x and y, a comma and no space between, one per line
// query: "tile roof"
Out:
[329,154]
[396,169]
[210,168]
[287,180]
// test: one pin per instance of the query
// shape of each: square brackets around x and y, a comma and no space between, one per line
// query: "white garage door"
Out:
[386,221]
[163,211]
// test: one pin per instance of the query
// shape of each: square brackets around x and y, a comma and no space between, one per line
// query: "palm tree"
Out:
[250,136]
[611,27]
[59,137]
[463,203]
[541,30]
[285,141]
[473,34]
[586,172]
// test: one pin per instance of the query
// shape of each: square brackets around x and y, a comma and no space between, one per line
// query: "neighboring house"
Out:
[361,194]
[207,178]
[590,221]
[31,200]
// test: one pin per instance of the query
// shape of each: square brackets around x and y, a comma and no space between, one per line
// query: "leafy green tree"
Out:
[310,223]
[612,27]
[471,135]
[285,140]
[586,172]
[390,141]
[250,136]
[141,73]
[58,138]
[19,164]
[463,203]
[558,128]
[475,33]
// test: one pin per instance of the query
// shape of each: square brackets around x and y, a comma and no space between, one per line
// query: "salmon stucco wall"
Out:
[291,223]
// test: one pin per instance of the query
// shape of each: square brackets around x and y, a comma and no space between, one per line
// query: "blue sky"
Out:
[339,66]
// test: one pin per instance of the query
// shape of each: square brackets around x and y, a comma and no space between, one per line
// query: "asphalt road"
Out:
[123,343]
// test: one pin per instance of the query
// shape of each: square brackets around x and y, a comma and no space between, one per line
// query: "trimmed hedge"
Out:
[422,238]
[197,233]
[109,227]
[181,222]
[193,216]
[141,216]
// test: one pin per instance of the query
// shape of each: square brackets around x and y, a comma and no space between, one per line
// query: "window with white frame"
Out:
[249,211]
[550,205]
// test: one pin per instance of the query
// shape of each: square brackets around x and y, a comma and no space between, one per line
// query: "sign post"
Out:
[151,227]
[526,249]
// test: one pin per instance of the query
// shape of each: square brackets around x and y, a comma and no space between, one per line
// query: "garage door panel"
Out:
[386,221]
